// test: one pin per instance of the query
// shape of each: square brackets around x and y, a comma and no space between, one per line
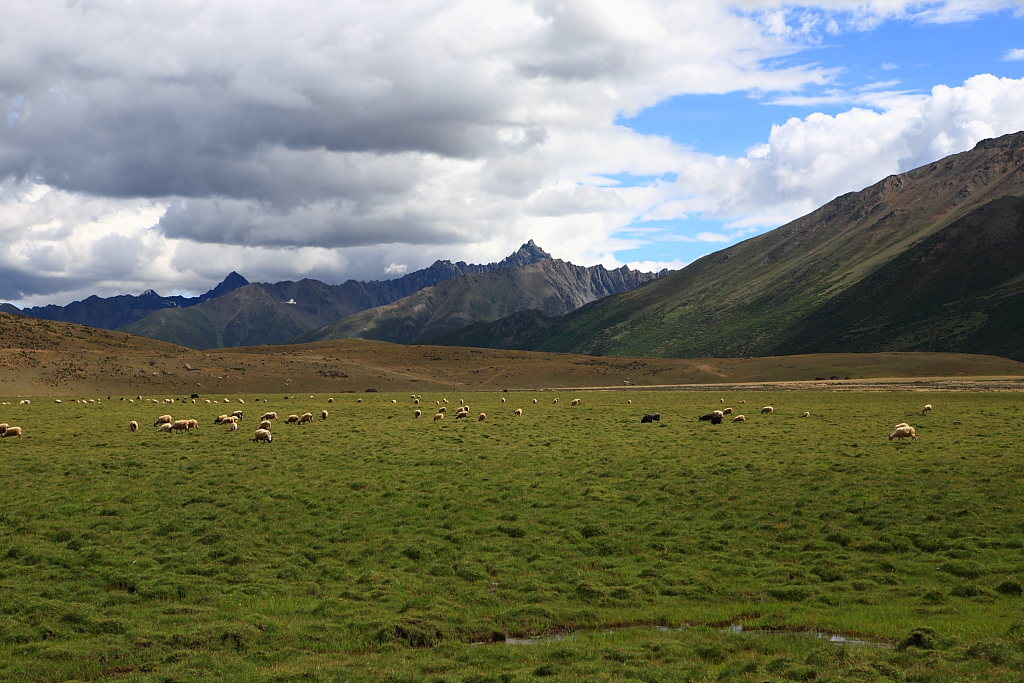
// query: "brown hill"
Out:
[39,358]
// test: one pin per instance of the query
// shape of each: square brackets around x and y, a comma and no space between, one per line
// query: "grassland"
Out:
[377,547]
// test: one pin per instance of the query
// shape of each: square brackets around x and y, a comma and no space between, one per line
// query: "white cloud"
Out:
[1014,55]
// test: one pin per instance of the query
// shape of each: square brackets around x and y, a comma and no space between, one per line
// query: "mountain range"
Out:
[927,260]
[446,294]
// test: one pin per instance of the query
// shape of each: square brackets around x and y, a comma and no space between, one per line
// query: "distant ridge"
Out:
[278,313]
[115,312]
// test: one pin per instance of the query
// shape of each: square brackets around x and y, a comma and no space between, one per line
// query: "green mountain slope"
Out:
[812,284]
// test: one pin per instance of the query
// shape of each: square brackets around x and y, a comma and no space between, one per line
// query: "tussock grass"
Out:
[375,546]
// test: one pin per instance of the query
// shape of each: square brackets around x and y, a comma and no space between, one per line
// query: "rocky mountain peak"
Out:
[524,256]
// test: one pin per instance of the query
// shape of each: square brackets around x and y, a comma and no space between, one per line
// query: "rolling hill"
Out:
[927,260]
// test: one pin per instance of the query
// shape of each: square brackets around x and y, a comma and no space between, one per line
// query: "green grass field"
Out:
[377,547]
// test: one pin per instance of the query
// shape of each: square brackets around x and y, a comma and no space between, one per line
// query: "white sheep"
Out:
[263,435]
[164,427]
[438,416]
[305,417]
[192,424]
[291,419]
[502,399]
[726,411]
[269,416]
[555,401]
[323,414]
[481,417]
[133,426]
[740,418]
[807,413]
[180,425]
[718,413]
[3,427]
[767,410]
[238,414]
[519,412]
[927,408]
[902,432]
[534,401]
[442,410]
[266,424]
[163,419]
[12,431]
[233,427]
[417,413]
[330,400]
[575,401]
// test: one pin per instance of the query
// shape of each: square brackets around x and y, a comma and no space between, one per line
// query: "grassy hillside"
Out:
[808,285]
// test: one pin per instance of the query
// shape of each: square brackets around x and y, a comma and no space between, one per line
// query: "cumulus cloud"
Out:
[1014,55]
[161,144]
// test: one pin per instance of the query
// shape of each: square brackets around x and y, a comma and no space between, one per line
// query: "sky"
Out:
[163,144]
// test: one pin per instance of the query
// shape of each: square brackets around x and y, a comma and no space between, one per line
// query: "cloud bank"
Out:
[162,144]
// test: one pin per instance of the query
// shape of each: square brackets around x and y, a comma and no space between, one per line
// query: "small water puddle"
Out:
[733,628]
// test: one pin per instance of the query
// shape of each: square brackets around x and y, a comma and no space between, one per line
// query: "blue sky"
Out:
[164,144]
[906,56]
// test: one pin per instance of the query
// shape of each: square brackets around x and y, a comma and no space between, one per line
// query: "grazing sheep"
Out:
[438,416]
[263,435]
[575,402]
[806,414]
[417,413]
[481,417]
[459,415]
[323,414]
[518,412]
[394,400]
[233,427]
[291,419]
[269,416]
[445,401]
[767,410]
[359,400]
[721,400]
[241,401]
[192,424]
[25,402]
[629,402]
[927,408]
[555,401]
[180,425]
[415,401]
[743,402]
[534,401]
[265,424]
[717,413]
[903,432]
[164,427]
[442,410]
[133,426]
[305,417]
[12,431]
[502,399]
[230,419]
[652,417]
[238,414]
[727,411]
[330,400]
[221,419]
[900,424]
[740,418]
[163,419]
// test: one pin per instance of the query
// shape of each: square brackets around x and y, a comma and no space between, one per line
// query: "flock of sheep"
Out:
[166,423]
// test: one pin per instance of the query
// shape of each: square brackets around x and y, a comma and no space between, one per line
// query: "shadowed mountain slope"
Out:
[551,286]
[113,312]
